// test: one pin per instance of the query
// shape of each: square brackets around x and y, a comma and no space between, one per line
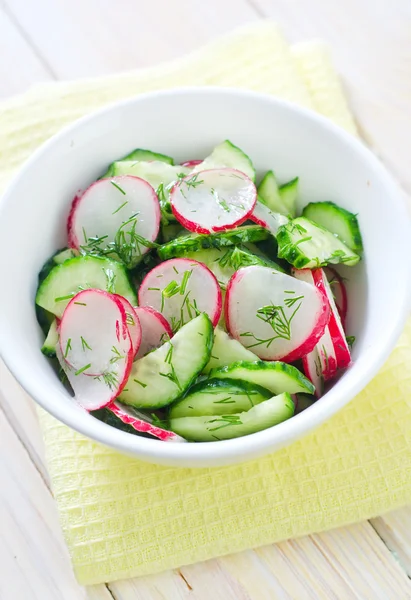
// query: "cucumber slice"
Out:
[227,155]
[191,243]
[165,374]
[225,262]
[218,397]
[305,244]
[64,255]
[66,280]
[339,221]
[269,194]
[157,173]
[49,346]
[288,194]
[226,351]
[277,377]
[141,155]
[148,155]
[224,427]
[171,231]
[303,402]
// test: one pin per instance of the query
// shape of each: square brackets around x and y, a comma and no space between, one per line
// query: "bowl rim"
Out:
[237,449]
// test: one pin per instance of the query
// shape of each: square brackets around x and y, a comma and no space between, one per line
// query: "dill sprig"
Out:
[193,181]
[276,317]
[120,189]
[172,375]
[68,348]
[110,378]
[84,344]
[226,421]
[110,280]
[82,369]
[117,355]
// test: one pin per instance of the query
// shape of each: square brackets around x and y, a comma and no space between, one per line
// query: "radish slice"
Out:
[213,200]
[92,332]
[265,217]
[273,314]
[325,347]
[133,323]
[155,329]
[342,350]
[94,338]
[191,163]
[339,291]
[118,216]
[142,423]
[328,358]
[313,371]
[181,288]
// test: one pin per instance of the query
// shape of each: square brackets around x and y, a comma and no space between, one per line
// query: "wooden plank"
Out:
[370,45]
[347,563]
[95,38]
[395,529]
[33,558]
[13,44]
[20,411]
[196,582]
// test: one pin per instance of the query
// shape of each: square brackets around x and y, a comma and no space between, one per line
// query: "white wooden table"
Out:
[43,40]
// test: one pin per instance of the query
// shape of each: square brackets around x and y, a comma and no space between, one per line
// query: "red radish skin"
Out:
[96,391]
[328,359]
[191,163]
[265,217]
[140,423]
[155,329]
[325,347]
[106,205]
[259,294]
[213,200]
[312,370]
[133,323]
[342,350]
[201,287]
[70,218]
[339,292]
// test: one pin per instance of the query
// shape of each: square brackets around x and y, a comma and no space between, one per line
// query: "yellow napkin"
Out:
[122,517]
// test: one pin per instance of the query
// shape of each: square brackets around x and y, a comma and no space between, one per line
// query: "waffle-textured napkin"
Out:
[122,517]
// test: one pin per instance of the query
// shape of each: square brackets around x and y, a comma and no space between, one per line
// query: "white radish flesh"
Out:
[93,332]
[118,216]
[180,289]
[325,347]
[328,358]
[342,350]
[95,349]
[313,371]
[213,200]
[265,217]
[155,329]
[339,292]
[273,314]
[142,423]
[133,323]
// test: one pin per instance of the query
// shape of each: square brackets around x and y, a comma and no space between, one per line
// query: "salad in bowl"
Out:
[193,303]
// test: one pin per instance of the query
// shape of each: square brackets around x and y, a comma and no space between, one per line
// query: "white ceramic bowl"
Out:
[186,124]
